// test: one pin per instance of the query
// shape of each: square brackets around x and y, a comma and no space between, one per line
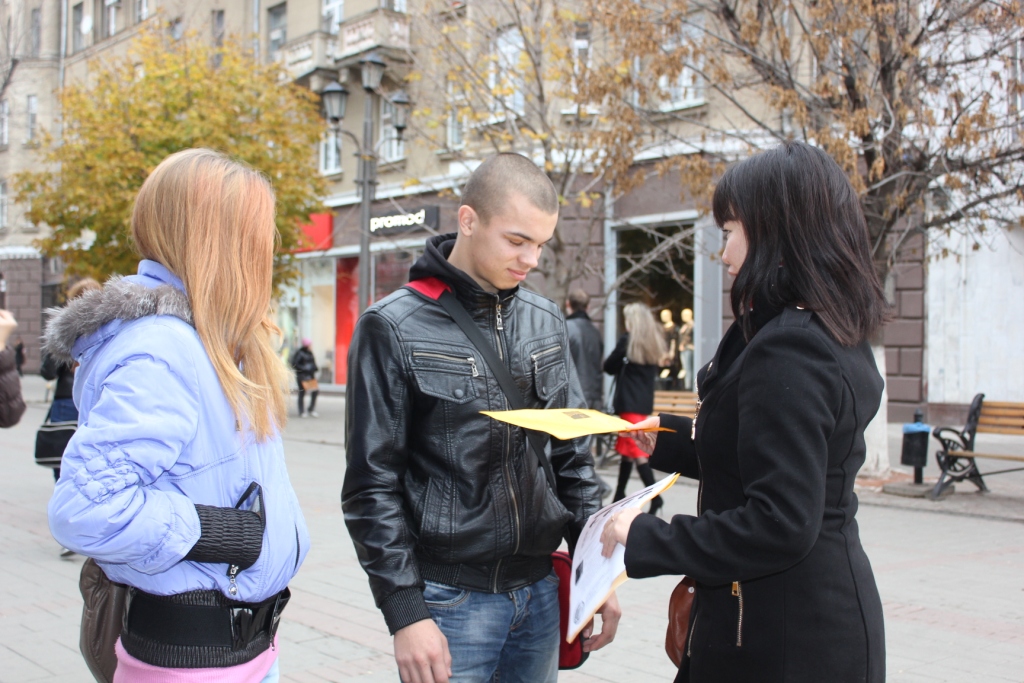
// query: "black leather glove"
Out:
[228,536]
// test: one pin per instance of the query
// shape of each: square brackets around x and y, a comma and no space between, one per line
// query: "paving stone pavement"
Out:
[952,584]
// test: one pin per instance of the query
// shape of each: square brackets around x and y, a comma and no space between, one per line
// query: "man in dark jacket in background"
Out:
[12,406]
[451,514]
[586,347]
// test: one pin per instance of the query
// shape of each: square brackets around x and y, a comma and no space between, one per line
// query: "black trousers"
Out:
[312,399]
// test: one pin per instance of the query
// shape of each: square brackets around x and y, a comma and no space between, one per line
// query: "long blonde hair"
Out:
[646,340]
[210,221]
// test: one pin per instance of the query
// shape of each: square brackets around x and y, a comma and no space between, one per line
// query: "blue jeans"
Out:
[506,637]
[63,410]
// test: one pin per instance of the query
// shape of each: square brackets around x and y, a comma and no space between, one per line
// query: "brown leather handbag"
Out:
[679,607]
[102,619]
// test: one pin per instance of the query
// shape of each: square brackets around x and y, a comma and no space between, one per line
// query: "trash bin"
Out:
[915,446]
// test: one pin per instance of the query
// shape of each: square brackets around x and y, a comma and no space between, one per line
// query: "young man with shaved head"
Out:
[451,514]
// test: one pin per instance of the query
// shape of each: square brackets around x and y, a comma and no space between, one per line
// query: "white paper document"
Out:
[594,576]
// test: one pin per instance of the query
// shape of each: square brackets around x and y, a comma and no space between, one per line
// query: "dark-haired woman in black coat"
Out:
[785,592]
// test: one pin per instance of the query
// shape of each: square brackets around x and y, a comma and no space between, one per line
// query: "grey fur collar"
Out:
[119,299]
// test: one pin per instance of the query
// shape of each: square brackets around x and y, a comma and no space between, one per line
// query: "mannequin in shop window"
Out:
[685,347]
[305,368]
[670,362]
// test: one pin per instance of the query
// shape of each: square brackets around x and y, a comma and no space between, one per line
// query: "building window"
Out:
[685,90]
[505,82]
[77,16]
[110,8]
[5,122]
[217,31]
[392,145]
[3,204]
[330,153]
[176,27]
[394,5]
[334,11]
[33,115]
[456,120]
[277,29]
[141,10]
[217,27]
[36,32]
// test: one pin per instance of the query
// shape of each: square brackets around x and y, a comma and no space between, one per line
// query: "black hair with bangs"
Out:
[807,241]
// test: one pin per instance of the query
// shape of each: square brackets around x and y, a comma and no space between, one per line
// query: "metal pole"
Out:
[368,183]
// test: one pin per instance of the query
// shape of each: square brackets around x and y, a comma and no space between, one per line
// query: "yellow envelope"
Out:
[565,423]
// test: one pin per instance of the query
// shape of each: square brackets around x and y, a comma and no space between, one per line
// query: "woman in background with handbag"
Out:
[305,368]
[635,363]
[62,408]
[784,591]
[175,482]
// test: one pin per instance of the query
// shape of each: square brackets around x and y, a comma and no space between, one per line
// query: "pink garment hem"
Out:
[131,670]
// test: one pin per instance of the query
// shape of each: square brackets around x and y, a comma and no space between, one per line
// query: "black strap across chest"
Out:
[458,313]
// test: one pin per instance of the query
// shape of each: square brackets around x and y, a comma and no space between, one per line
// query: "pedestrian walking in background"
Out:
[175,481]
[635,363]
[686,348]
[585,347]
[19,355]
[305,368]
[62,408]
[784,589]
[12,405]
[452,517]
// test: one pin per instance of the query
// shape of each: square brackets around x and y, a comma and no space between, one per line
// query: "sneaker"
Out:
[302,415]
[313,413]
[64,552]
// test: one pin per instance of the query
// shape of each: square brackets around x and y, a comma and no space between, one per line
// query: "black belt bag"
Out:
[199,629]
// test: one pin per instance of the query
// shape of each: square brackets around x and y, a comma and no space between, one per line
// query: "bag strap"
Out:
[436,290]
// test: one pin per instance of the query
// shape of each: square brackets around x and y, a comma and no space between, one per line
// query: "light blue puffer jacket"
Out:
[156,436]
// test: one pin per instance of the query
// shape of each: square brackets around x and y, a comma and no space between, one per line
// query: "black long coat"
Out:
[785,592]
[634,383]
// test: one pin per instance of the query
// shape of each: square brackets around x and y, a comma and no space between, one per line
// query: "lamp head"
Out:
[335,99]
[372,71]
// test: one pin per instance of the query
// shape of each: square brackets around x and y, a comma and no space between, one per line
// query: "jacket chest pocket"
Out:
[447,375]
[548,370]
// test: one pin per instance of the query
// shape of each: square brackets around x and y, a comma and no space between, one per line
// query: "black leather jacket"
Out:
[433,489]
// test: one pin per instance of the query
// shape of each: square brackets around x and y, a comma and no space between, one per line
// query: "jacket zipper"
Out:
[737,591]
[537,355]
[700,491]
[298,548]
[452,359]
[500,325]
[693,437]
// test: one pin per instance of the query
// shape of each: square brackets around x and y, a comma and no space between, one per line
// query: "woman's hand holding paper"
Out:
[616,530]
[646,440]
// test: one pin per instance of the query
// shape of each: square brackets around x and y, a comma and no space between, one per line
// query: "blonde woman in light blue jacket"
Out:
[175,482]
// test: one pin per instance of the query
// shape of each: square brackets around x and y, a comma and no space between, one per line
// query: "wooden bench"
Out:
[675,402]
[956,459]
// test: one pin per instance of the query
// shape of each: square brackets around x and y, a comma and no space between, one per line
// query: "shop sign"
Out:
[426,217]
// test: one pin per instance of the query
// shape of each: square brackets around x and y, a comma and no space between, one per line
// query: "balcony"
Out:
[305,55]
[378,29]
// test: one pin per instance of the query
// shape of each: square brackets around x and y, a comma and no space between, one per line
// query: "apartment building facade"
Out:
[929,360]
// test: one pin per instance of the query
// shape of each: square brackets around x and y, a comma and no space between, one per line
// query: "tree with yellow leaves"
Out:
[166,95]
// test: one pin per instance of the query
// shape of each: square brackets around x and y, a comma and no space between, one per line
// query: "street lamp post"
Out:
[335,99]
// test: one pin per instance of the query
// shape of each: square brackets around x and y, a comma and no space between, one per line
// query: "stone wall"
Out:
[905,335]
[23,277]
